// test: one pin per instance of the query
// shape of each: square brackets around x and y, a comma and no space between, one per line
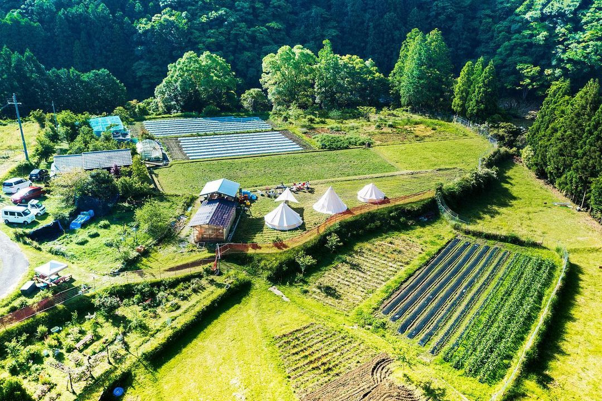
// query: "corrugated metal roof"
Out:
[107,159]
[101,124]
[215,212]
[223,186]
[93,160]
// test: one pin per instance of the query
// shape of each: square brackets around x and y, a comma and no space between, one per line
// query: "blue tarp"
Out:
[112,123]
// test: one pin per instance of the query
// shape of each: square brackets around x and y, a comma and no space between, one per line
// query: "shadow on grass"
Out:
[496,197]
[550,345]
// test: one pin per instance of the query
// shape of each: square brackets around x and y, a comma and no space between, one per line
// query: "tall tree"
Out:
[484,98]
[462,89]
[289,77]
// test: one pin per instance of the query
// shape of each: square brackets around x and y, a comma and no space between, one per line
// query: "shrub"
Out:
[104,224]
[337,142]
[254,100]
[41,331]
[81,241]
[93,234]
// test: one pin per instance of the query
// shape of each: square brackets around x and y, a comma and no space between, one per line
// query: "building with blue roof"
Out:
[112,124]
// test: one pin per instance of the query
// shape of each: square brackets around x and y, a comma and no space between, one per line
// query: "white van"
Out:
[17,215]
[13,185]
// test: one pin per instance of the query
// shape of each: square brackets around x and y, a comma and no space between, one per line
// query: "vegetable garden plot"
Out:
[483,297]
[349,283]
[313,355]
[214,125]
[217,146]
[369,381]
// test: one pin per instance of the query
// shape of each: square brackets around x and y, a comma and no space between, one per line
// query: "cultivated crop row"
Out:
[485,353]
[363,271]
[443,340]
[314,355]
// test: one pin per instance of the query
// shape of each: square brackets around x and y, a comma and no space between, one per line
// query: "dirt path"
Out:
[14,265]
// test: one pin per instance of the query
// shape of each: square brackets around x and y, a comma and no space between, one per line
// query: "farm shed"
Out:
[104,159]
[150,150]
[112,124]
[220,188]
[213,220]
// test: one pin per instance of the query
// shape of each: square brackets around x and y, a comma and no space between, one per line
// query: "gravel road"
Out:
[14,265]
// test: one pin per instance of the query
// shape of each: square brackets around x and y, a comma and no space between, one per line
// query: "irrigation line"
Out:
[529,344]
[446,211]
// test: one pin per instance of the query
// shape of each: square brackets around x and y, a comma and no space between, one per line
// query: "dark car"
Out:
[27,194]
[39,175]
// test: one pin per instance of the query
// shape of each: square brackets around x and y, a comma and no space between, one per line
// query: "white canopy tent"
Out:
[330,203]
[50,269]
[370,193]
[283,218]
[287,195]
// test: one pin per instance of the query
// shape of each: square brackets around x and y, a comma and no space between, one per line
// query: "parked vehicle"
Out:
[26,194]
[35,206]
[13,185]
[39,175]
[17,215]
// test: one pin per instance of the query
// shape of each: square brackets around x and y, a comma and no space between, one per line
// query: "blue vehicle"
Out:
[82,219]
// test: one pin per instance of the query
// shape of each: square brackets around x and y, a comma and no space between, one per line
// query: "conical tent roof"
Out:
[287,195]
[283,218]
[370,193]
[330,203]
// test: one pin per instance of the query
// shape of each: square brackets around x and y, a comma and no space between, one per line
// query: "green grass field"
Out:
[11,146]
[253,229]
[462,153]
[568,363]
[189,177]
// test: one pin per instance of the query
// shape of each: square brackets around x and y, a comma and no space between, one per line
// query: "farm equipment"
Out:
[248,195]
[82,219]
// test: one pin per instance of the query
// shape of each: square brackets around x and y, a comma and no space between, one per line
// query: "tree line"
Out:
[564,145]
[95,91]
[532,43]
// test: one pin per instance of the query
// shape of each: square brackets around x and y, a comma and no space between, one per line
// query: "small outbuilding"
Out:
[213,221]
[104,159]
[112,124]
[50,269]
[150,150]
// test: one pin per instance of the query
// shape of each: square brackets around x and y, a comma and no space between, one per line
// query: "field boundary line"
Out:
[314,232]
[519,363]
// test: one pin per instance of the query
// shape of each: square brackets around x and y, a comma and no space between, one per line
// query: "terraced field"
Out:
[482,297]
[369,381]
[314,355]
[368,268]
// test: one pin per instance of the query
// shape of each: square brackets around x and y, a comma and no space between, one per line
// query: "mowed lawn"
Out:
[230,356]
[252,227]
[189,177]
[462,153]
[570,360]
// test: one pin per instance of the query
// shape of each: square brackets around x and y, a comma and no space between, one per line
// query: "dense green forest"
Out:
[532,42]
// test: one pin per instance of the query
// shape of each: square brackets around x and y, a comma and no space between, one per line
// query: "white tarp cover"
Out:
[370,193]
[283,218]
[287,195]
[330,203]
[51,268]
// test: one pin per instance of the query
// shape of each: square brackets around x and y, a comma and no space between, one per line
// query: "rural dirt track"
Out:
[14,265]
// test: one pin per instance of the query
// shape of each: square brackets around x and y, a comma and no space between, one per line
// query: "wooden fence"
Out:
[314,232]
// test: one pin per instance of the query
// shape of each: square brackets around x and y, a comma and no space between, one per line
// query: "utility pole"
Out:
[56,123]
[20,125]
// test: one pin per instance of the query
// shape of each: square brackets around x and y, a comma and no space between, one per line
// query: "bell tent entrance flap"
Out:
[283,218]
[330,203]
[370,193]
[50,269]
[287,195]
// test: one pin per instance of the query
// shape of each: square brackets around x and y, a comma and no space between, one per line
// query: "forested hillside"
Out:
[532,42]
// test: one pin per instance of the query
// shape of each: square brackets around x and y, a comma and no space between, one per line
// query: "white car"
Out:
[17,215]
[13,185]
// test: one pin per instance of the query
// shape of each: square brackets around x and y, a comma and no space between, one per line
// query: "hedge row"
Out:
[497,236]
[282,266]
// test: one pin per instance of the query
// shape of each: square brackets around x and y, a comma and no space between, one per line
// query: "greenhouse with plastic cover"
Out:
[149,150]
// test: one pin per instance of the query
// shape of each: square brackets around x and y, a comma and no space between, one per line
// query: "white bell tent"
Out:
[370,193]
[287,195]
[330,203]
[283,218]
